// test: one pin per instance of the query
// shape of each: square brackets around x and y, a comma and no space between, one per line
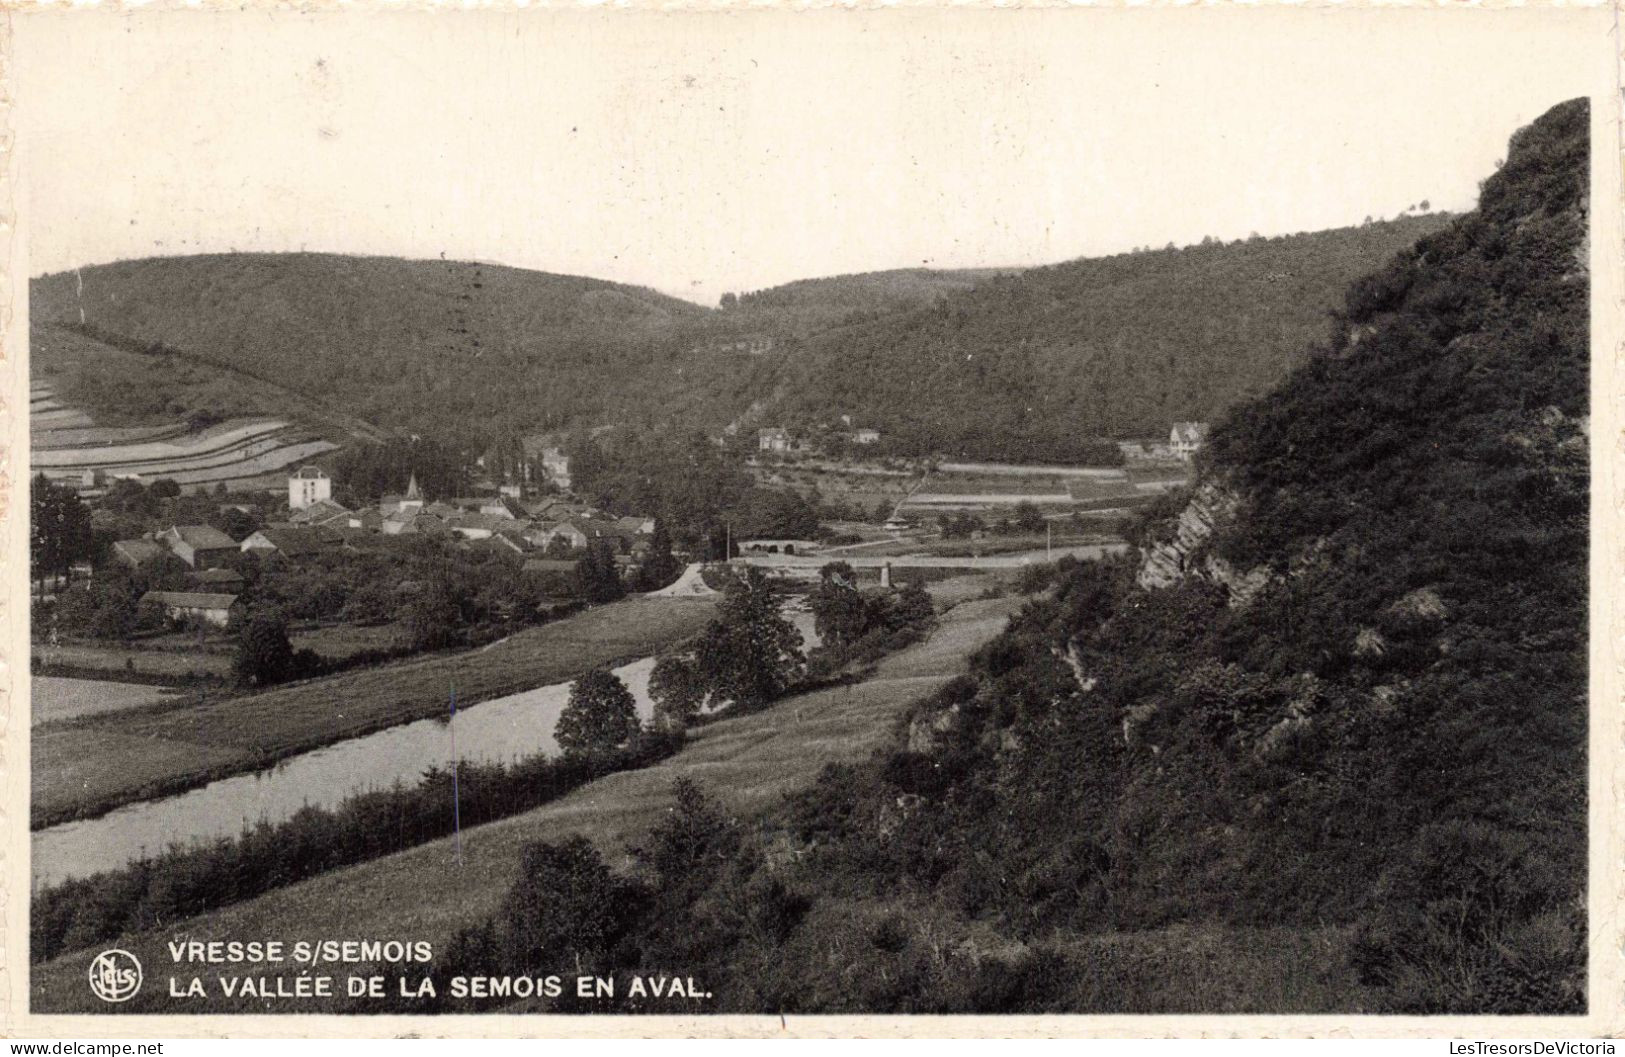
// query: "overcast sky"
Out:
[704,153]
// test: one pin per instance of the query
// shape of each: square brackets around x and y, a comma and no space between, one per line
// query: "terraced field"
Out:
[66,444]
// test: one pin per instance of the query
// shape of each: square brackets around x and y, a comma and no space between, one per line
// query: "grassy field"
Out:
[51,698]
[176,664]
[748,763]
[167,748]
[344,640]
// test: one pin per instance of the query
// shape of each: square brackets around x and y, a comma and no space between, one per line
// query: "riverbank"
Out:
[91,765]
[747,763]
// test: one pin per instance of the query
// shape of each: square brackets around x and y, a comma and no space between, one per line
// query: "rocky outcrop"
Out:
[926,729]
[1184,553]
[1167,561]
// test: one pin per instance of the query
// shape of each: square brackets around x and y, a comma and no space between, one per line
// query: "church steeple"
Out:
[412,488]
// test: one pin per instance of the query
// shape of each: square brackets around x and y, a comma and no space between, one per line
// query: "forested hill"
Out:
[431,345]
[1026,365]
[1318,746]
[982,362]
[805,306]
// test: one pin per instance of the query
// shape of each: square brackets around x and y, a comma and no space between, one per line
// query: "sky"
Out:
[702,153]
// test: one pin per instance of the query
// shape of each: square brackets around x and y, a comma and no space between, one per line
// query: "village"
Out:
[343,573]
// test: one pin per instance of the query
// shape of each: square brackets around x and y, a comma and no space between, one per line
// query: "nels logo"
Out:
[115,975]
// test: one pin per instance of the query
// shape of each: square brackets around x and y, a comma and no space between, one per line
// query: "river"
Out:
[502,729]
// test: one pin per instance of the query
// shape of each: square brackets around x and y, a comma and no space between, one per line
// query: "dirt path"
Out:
[748,763]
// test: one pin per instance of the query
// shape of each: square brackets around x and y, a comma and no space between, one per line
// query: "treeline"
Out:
[700,492]
[186,881]
[444,468]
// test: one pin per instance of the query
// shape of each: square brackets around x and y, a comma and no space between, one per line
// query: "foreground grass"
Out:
[91,765]
[749,763]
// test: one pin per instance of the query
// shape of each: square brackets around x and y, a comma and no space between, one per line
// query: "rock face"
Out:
[1168,561]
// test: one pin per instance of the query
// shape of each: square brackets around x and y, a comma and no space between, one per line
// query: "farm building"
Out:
[136,553]
[773,439]
[1186,438]
[866,436]
[308,486]
[288,542]
[200,546]
[179,605]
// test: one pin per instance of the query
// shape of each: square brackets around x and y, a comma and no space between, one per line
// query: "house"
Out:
[289,543]
[500,543]
[773,439]
[1186,438]
[180,605]
[136,553]
[321,512]
[368,520]
[308,486]
[476,526]
[502,506]
[200,546]
[544,533]
[637,526]
[221,580]
[866,436]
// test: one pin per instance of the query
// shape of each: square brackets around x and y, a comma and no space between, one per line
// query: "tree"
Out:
[597,578]
[749,654]
[1029,518]
[264,654]
[59,529]
[660,567]
[600,716]
[678,691]
[434,615]
[840,613]
[567,910]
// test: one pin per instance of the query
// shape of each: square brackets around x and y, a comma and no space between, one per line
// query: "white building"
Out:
[310,485]
[1186,438]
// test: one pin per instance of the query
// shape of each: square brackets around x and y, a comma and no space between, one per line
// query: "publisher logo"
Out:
[115,975]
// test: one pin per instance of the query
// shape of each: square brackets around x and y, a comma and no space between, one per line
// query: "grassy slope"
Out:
[168,748]
[749,763]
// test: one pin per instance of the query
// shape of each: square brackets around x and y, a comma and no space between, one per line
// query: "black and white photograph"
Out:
[754,515]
